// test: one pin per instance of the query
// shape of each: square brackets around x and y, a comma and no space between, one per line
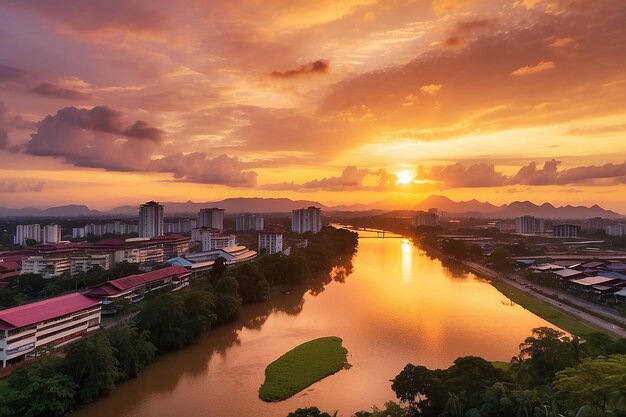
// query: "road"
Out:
[536,291]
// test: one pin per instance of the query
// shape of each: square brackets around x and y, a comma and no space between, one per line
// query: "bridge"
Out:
[380,234]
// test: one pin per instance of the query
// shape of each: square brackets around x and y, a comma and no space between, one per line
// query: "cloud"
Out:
[562,42]
[54,91]
[459,176]
[597,130]
[10,74]
[197,167]
[4,136]
[96,137]
[430,89]
[20,187]
[321,66]
[351,178]
[551,175]
[534,69]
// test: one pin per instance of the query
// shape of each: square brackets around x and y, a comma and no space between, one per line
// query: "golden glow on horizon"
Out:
[404,177]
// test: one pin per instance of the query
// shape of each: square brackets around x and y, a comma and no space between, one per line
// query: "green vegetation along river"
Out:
[396,306]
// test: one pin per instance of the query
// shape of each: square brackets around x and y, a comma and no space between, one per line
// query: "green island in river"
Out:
[302,366]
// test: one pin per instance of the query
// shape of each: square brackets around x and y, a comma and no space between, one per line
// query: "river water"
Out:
[396,306]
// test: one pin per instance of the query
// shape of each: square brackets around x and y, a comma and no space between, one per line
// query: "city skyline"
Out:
[336,102]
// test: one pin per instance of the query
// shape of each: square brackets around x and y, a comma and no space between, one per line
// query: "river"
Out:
[396,306]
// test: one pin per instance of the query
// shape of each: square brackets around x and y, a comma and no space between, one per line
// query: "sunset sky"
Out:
[358,101]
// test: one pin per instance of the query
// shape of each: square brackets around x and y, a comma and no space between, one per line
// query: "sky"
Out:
[342,101]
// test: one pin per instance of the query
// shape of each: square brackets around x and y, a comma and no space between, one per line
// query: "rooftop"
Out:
[130,282]
[39,311]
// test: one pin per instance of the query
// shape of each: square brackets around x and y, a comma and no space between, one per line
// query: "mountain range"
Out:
[471,208]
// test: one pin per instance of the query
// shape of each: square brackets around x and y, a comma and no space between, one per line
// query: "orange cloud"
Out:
[562,42]
[534,69]
[430,89]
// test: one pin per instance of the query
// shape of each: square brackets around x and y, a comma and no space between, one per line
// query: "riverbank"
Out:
[562,313]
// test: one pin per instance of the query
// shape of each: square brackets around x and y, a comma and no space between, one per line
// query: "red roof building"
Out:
[134,287]
[54,321]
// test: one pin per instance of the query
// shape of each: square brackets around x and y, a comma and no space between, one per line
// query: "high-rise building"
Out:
[211,217]
[150,219]
[423,218]
[271,241]
[566,230]
[306,220]
[51,233]
[26,232]
[529,225]
[616,230]
[246,222]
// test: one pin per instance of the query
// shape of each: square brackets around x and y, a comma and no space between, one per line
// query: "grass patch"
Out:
[546,312]
[301,367]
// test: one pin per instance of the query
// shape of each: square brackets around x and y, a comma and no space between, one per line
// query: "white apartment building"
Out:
[423,218]
[249,222]
[51,233]
[55,321]
[271,242]
[211,217]
[150,219]
[529,225]
[306,220]
[46,266]
[26,232]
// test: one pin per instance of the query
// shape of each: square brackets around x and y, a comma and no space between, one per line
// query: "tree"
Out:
[30,284]
[308,412]
[218,269]
[92,364]
[200,312]
[420,389]
[10,298]
[133,350]
[39,390]
[548,351]
[391,409]
[598,383]
[163,317]
[501,259]
[228,300]
[471,374]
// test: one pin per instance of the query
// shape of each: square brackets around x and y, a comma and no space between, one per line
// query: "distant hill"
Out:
[471,208]
[447,205]
[231,205]
[474,208]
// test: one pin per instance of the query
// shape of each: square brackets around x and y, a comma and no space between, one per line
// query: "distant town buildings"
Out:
[49,322]
[529,225]
[182,226]
[150,219]
[306,220]
[271,241]
[116,227]
[617,230]
[423,218]
[249,222]
[50,233]
[566,230]
[211,217]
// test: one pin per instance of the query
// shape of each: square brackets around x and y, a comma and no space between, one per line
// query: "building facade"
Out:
[529,225]
[616,230]
[566,230]
[306,220]
[249,222]
[425,218]
[51,233]
[25,232]
[271,242]
[53,322]
[150,219]
[46,266]
[211,217]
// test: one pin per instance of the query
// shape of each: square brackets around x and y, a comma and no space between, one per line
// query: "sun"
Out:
[404,177]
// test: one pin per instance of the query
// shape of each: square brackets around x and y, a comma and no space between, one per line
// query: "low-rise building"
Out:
[134,287]
[46,266]
[83,263]
[52,322]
